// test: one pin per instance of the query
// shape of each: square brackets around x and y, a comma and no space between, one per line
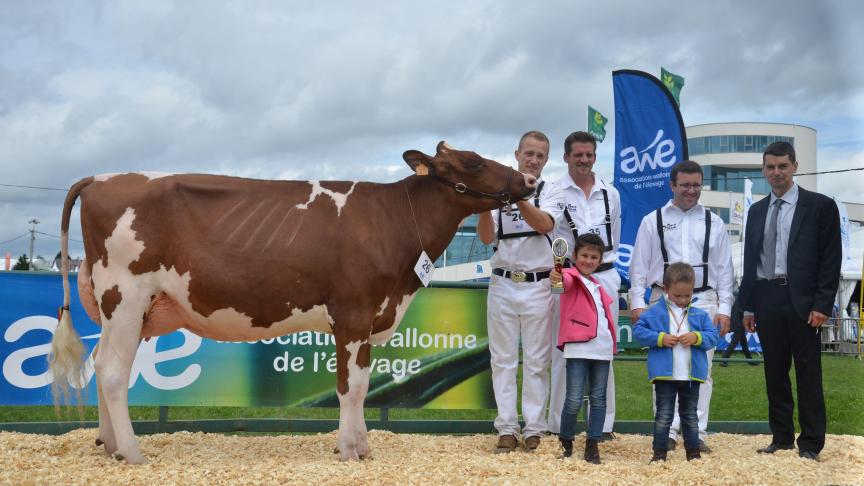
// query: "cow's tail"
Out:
[66,361]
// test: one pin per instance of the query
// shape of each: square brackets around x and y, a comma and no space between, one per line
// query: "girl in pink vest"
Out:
[587,338]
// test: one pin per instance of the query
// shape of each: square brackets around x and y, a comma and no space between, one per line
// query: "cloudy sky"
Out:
[338,90]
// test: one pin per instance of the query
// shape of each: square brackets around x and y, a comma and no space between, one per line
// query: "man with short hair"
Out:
[792,259]
[685,231]
[519,300]
[593,206]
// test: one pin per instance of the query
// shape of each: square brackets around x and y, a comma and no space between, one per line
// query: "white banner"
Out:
[844,235]
[748,201]
[736,210]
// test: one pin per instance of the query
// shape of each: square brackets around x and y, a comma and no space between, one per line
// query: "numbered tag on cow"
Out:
[424,269]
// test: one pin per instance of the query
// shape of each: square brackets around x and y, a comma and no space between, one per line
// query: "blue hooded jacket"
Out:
[653,324]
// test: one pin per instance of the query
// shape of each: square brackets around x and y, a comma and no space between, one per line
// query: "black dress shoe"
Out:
[774,447]
[607,436]
[670,444]
[813,456]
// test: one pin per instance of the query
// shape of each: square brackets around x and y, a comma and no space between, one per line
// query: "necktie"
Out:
[769,246]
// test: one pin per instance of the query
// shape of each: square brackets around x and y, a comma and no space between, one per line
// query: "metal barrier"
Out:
[842,336]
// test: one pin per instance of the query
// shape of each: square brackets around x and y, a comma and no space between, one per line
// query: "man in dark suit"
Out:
[792,256]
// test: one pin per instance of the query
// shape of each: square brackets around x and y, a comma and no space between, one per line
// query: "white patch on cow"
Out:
[401,309]
[352,425]
[383,307]
[338,198]
[230,325]
[149,175]
[105,177]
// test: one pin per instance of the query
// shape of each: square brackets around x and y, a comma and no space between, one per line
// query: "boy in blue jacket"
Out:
[677,335]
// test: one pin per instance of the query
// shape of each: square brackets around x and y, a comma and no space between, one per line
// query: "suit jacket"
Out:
[813,257]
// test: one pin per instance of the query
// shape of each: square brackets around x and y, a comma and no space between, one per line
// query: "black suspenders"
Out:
[608,222]
[502,236]
[704,286]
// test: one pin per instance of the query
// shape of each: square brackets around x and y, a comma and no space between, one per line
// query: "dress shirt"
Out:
[684,237]
[784,224]
[680,353]
[529,253]
[589,212]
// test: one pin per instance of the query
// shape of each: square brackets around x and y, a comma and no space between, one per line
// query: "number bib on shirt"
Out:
[599,230]
[513,225]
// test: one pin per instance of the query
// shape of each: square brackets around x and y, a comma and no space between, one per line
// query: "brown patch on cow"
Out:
[110,300]
[336,186]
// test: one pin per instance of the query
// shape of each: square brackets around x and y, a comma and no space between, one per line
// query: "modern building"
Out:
[732,152]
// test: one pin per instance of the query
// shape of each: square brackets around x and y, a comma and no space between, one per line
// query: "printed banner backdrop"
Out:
[753,344]
[438,357]
[649,140]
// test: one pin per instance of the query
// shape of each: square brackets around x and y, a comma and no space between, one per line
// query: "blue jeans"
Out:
[688,397]
[596,373]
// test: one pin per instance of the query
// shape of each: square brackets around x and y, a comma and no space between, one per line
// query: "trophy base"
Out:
[557,290]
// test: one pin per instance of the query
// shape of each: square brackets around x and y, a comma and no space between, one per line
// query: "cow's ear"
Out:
[418,161]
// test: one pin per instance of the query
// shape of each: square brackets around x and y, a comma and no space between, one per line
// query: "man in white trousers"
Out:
[593,206]
[519,302]
[685,231]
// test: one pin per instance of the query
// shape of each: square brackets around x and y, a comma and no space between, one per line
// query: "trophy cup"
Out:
[560,248]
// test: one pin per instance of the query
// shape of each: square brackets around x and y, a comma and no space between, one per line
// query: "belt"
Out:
[602,268]
[781,281]
[521,276]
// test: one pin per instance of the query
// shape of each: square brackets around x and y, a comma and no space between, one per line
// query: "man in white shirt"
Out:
[685,231]
[593,206]
[519,303]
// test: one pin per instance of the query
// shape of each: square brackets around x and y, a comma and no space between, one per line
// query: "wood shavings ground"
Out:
[405,459]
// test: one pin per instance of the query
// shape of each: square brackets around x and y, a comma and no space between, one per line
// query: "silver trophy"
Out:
[560,249]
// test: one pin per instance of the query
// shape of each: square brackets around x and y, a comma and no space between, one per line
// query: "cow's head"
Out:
[472,176]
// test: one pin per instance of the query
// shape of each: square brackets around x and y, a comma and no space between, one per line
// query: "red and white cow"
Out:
[239,259]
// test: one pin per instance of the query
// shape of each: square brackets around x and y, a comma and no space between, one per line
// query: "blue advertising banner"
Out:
[649,140]
[437,358]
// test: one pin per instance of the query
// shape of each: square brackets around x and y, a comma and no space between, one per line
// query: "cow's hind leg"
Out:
[106,431]
[352,375]
[117,349]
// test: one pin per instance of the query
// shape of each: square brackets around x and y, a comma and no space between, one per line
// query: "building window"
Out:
[723,144]
[732,180]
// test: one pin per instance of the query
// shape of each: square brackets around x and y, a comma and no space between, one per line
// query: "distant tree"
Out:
[59,254]
[22,264]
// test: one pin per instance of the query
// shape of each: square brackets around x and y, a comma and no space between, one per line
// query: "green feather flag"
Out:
[597,124]
[673,83]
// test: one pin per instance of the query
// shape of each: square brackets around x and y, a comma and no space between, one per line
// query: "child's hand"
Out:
[555,277]
[669,340]
[688,339]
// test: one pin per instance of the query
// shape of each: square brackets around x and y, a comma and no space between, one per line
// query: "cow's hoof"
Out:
[99,442]
[336,450]
[132,458]
[351,456]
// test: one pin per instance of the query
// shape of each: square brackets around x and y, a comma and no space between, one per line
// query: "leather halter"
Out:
[502,196]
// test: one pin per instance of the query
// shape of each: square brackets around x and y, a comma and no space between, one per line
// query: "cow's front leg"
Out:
[352,375]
